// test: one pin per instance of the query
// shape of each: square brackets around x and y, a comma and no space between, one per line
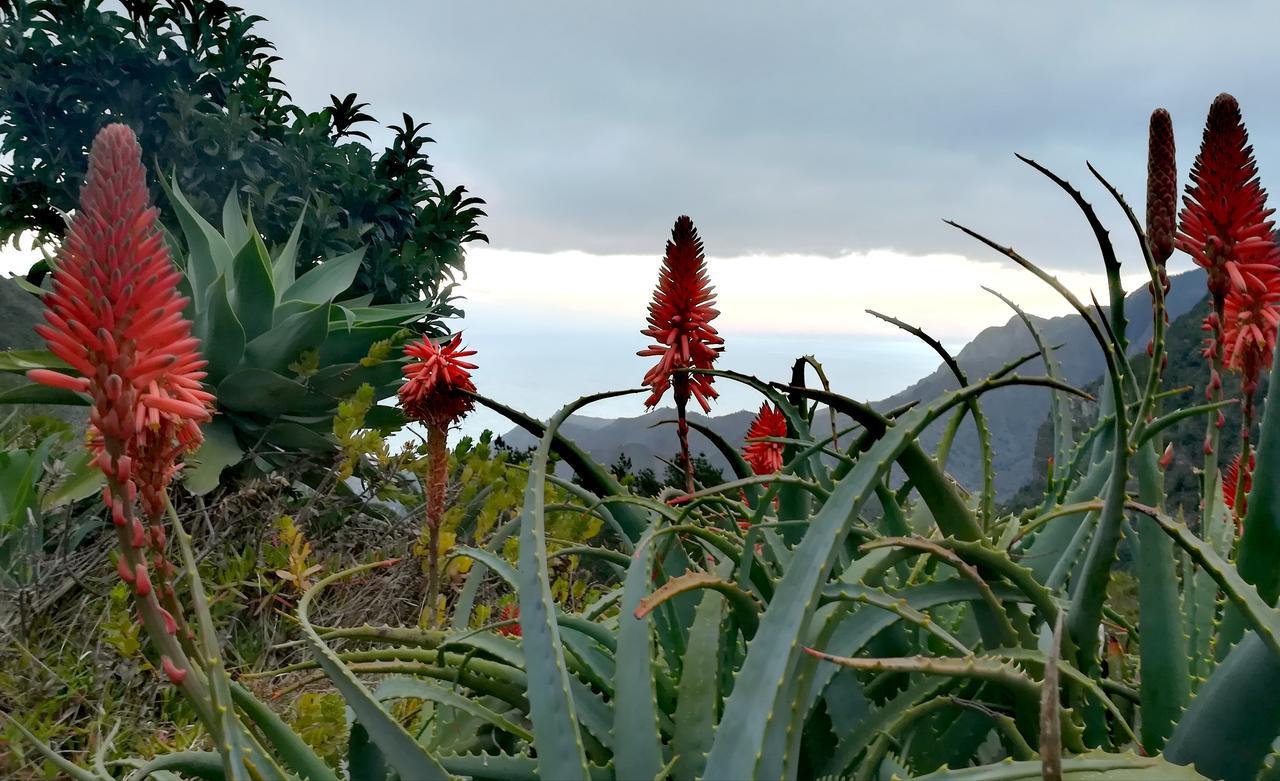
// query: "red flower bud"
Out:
[175,674]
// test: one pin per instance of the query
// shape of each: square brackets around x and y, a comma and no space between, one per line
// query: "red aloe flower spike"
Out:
[1162,187]
[115,316]
[1224,227]
[680,318]
[438,387]
[437,392]
[765,458]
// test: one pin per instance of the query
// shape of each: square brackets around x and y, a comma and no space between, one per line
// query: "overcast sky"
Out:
[806,126]
[817,146]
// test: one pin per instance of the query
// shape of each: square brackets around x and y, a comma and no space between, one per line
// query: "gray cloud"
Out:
[803,126]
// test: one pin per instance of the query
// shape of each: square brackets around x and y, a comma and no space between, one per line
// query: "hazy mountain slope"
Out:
[1013,414]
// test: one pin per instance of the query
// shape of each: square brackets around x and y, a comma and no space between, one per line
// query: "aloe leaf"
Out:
[986,504]
[284,265]
[284,343]
[208,254]
[561,753]
[402,752]
[1110,263]
[242,757]
[594,476]
[414,688]
[205,765]
[765,680]
[1262,618]
[1236,708]
[26,360]
[1097,766]
[234,227]
[249,289]
[746,608]
[267,393]
[63,764]
[326,281]
[733,456]
[1089,588]
[698,703]
[949,510]
[364,758]
[293,750]
[501,767]
[1062,434]
[35,393]
[855,742]
[637,743]
[220,333]
[465,603]
[1163,649]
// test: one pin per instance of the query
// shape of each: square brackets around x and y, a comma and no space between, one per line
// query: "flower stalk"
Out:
[437,393]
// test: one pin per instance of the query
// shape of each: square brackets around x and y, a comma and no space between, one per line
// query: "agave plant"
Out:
[282,350]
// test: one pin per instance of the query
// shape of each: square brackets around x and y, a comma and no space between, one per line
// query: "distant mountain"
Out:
[1014,415]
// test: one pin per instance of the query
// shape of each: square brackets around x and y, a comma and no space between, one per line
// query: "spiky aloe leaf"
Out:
[252,295]
[243,758]
[949,510]
[63,764]
[1096,766]
[399,748]
[698,706]
[1163,650]
[637,743]
[858,740]
[561,753]
[503,767]
[765,687]
[1058,416]
[986,504]
[292,749]
[594,476]
[1227,730]
[205,765]
[418,689]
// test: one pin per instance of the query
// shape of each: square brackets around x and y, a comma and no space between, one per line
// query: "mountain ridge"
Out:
[1013,414]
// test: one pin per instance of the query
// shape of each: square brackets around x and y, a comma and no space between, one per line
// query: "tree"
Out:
[195,82]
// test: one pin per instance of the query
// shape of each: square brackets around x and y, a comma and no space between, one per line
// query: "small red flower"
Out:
[1230,479]
[509,612]
[115,316]
[1224,225]
[680,318]
[438,383]
[765,458]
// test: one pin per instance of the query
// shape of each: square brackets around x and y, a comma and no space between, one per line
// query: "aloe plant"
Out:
[830,618]
[283,349]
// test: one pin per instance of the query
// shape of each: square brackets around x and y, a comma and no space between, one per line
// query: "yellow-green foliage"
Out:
[320,720]
[354,440]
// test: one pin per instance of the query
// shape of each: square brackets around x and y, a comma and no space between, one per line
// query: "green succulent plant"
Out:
[283,349]
[854,615]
